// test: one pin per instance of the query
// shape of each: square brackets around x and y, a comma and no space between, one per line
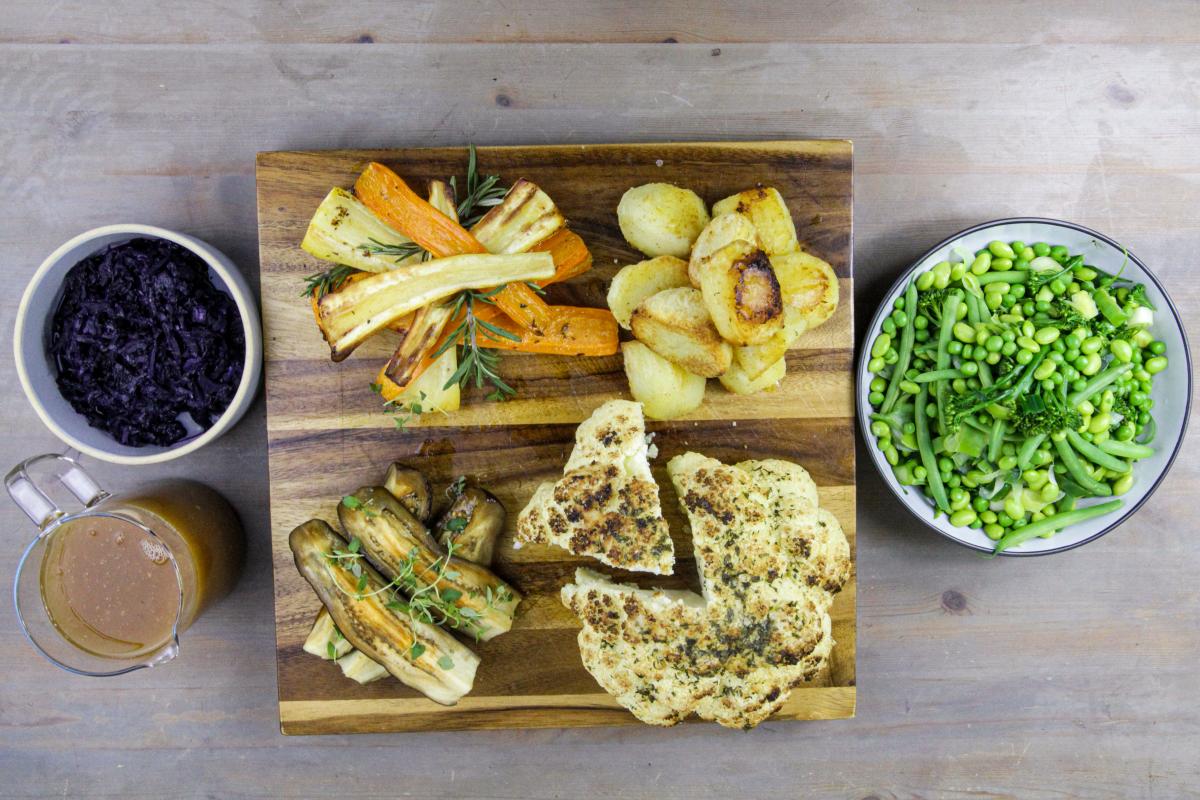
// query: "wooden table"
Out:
[1074,676]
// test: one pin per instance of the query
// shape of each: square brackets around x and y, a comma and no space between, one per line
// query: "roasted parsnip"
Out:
[344,231]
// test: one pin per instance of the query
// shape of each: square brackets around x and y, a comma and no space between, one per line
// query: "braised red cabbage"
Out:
[141,338]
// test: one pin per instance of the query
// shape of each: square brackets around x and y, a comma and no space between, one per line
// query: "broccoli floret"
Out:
[929,303]
[1044,413]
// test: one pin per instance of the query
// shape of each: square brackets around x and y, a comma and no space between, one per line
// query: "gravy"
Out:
[109,587]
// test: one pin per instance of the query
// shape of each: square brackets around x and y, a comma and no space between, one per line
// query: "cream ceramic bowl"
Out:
[1172,388]
[36,372]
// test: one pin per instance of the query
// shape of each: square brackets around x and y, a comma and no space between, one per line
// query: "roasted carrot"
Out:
[575,331]
[386,193]
[571,256]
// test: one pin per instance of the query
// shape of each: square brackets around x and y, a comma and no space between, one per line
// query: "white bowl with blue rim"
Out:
[1172,390]
[37,373]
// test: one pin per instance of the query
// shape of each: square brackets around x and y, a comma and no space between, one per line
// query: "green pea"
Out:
[964,332]
[945,464]
[954,347]
[982,263]
[993,343]
[1071,341]
[1041,249]
[979,504]
[1123,484]
[921,323]
[1122,351]
[992,358]
[958,385]
[963,517]
[1000,249]
[1029,308]
[875,398]
[920,473]
[1024,357]
[1090,345]
[891,356]
[1008,301]
[969,368]
[909,387]
[1021,263]
[1057,287]
[1157,347]
[1004,519]
[1009,348]
[881,345]
[925,281]
[922,334]
[1059,253]
[1156,365]
[1017,245]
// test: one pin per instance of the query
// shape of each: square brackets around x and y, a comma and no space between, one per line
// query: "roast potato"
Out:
[723,229]
[665,390]
[755,359]
[766,209]
[675,323]
[810,290]
[742,294]
[737,381]
[660,219]
[636,282]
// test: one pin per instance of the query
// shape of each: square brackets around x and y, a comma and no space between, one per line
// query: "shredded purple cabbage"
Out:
[141,337]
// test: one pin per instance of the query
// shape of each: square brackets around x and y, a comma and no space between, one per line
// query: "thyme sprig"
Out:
[476,362]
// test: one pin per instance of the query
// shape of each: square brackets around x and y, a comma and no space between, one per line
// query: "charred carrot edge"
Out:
[576,331]
[386,194]
[571,256]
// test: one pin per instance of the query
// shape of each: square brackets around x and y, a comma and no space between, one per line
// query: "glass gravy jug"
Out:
[108,588]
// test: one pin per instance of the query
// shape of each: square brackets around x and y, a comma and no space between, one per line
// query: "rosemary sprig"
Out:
[401,251]
[322,283]
[476,363]
[481,194]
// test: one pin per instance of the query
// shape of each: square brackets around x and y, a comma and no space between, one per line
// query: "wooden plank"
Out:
[328,435]
[382,22]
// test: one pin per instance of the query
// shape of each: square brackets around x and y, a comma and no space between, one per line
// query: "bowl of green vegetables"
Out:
[1025,386]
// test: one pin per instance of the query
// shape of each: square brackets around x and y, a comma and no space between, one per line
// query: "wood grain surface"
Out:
[327,434]
[1066,677]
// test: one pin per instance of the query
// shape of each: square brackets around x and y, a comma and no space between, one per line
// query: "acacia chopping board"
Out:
[328,436]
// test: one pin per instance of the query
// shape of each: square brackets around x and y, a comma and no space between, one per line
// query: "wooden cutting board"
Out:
[328,436]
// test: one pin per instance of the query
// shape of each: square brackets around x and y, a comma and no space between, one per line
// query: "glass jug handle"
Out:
[31,497]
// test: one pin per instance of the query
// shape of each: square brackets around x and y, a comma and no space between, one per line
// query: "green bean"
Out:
[1028,448]
[928,460]
[1126,449]
[906,348]
[949,314]
[1078,472]
[1055,522]
[997,439]
[1098,382]
[1009,276]
[1096,455]
[939,375]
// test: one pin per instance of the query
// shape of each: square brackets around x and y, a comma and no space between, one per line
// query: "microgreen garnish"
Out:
[446,663]
[331,650]
[416,651]
[457,524]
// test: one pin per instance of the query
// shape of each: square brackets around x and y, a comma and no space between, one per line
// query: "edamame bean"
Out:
[982,263]
[1044,370]
[1046,335]
[1123,484]
[1155,365]
[1000,250]
[1093,364]
[1025,343]
[964,332]
[1122,351]
[925,281]
[909,387]
[875,364]
[882,343]
[1090,345]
